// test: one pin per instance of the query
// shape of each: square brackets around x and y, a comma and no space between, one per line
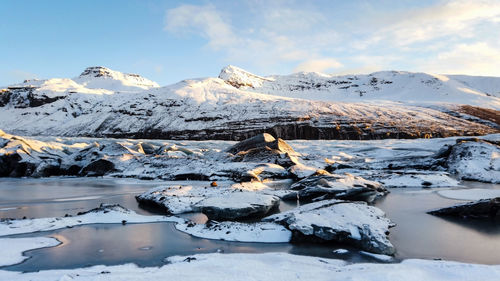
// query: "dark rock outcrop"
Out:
[264,148]
[479,209]
[11,165]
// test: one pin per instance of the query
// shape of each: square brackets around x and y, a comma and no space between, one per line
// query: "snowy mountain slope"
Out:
[408,87]
[105,103]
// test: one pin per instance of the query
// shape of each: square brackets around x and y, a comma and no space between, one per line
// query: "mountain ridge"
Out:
[232,108]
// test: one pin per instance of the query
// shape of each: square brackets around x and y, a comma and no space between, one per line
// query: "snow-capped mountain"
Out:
[106,103]
[407,87]
[93,80]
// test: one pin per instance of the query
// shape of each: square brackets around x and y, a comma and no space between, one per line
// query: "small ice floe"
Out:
[340,251]
[470,194]
[8,208]
[379,257]
[104,214]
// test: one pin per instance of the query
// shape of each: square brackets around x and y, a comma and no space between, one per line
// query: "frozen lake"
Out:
[417,234]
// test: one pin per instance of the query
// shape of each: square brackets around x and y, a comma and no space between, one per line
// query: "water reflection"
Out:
[420,235]
[52,197]
[145,245]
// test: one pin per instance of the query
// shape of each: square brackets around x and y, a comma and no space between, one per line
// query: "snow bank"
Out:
[13,248]
[272,267]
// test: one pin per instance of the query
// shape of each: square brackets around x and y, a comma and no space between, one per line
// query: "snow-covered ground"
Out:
[398,163]
[271,266]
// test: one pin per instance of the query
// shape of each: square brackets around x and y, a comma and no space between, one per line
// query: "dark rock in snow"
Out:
[264,148]
[191,176]
[479,209]
[261,141]
[105,208]
[11,165]
[147,148]
[98,168]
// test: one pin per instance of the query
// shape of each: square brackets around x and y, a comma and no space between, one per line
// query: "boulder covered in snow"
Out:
[237,205]
[332,186]
[217,203]
[175,199]
[355,223]
[474,159]
[483,208]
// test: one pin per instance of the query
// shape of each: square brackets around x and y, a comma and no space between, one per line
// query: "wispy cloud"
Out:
[277,34]
[325,37]
[445,18]
[204,20]
[480,57]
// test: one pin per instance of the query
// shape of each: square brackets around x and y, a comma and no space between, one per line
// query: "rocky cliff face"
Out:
[106,103]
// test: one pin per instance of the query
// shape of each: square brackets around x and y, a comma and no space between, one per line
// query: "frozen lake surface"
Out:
[417,234]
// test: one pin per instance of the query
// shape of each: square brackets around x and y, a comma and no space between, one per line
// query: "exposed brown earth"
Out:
[483,113]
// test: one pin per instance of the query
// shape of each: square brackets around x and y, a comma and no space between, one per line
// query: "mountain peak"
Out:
[96,71]
[239,77]
[101,71]
[122,81]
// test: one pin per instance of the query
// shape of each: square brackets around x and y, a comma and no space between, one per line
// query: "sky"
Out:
[168,41]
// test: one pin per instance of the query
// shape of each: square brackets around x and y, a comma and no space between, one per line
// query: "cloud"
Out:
[204,20]
[446,18]
[478,58]
[318,65]
[277,33]
[317,36]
